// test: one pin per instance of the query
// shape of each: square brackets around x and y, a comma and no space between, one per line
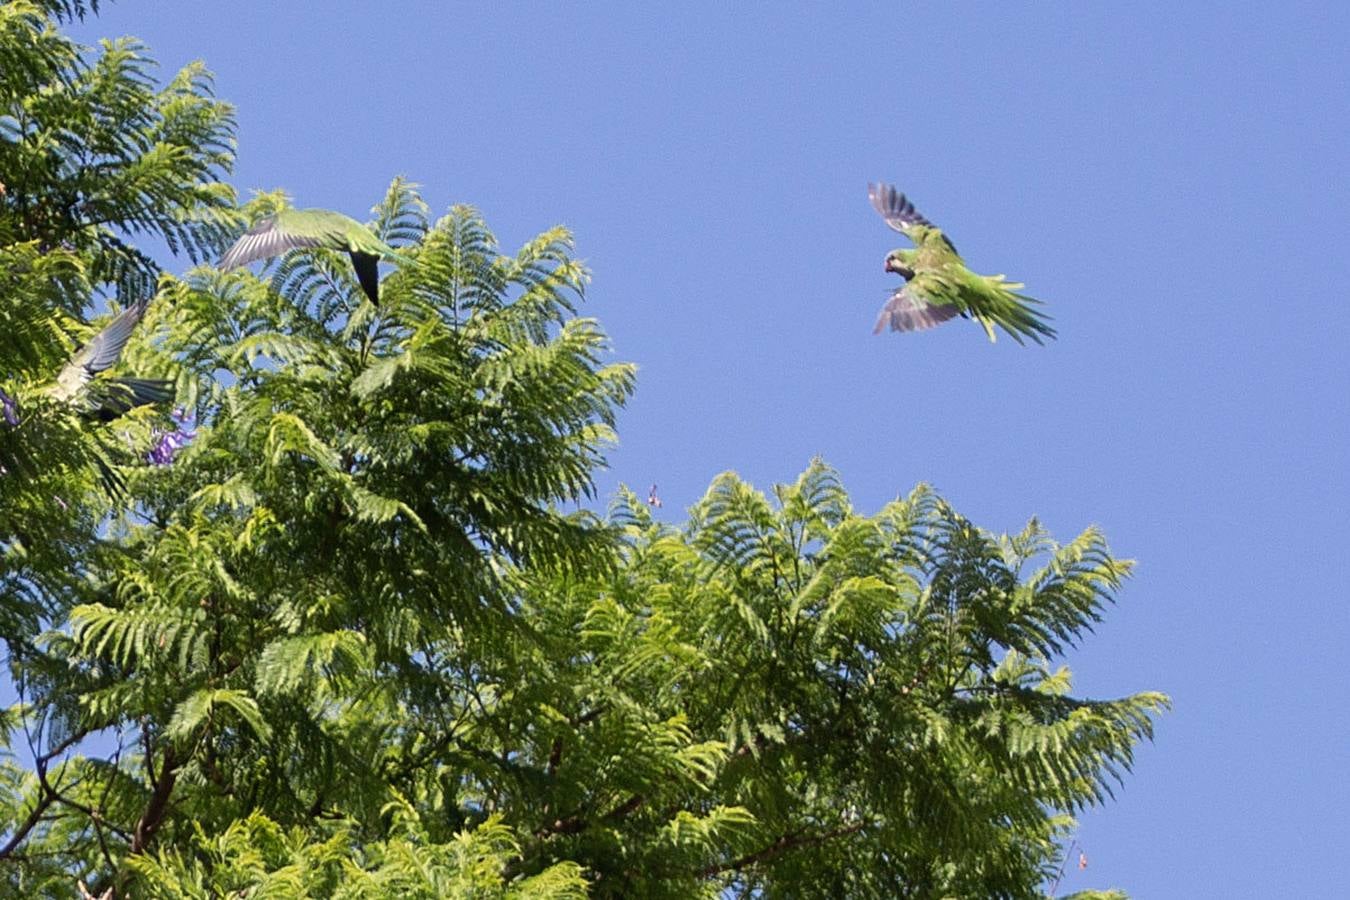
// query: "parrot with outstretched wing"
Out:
[294,229]
[78,388]
[938,284]
[107,398]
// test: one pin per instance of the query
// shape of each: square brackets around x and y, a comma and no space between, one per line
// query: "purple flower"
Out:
[10,409]
[168,443]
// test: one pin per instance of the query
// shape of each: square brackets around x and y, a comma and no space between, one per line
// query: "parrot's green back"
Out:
[294,229]
[989,299]
[934,250]
[332,230]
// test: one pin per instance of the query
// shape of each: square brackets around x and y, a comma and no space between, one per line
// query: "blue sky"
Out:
[1169,178]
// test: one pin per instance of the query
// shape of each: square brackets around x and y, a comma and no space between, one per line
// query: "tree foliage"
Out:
[361,636]
[93,155]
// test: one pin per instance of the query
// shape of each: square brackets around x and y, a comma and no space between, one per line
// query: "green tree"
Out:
[92,154]
[360,637]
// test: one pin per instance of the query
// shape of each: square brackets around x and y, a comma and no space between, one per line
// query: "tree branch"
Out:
[49,795]
[93,814]
[785,843]
[155,810]
[628,806]
[44,801]
[577,822]
[555,757]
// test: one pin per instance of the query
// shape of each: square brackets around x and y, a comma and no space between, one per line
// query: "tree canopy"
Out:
[343,622]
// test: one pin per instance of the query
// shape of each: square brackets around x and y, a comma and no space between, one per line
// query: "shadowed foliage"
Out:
[94,155]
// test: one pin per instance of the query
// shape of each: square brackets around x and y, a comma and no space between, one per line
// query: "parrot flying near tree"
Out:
[939,286]
[103,399]
[107,398]
[292,229]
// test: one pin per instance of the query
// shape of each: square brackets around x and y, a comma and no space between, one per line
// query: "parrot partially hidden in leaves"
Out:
[103,399]
[293,229]
[107,398]
[938,285]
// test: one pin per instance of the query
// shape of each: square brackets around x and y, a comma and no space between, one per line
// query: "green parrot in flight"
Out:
[292,229]
[77,387]
[107,398]
[939,286]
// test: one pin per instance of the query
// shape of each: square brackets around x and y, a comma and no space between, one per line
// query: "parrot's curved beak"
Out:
[892,265]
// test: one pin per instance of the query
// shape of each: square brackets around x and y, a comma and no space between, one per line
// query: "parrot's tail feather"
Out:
[118,396]
[143,391]
[367,268]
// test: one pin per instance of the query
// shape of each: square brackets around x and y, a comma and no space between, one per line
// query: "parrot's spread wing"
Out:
[910,309]
[115,395]
[106,347]
[101,353]
[272,236]
[294,229]
[900,214]
[894,207]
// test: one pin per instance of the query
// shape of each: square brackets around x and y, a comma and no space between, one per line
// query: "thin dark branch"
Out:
[785,843]
[555,757]
[97,816]
[1054,885]
[90,812]
[567,825]
[577,822]
[21,832]
[51,794]
[62,747]
[94,815]
[149,752]
[624,809]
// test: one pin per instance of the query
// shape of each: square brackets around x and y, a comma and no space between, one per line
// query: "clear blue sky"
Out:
[1170,178]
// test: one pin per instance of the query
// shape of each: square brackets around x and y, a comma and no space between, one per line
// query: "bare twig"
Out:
[1054,885]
